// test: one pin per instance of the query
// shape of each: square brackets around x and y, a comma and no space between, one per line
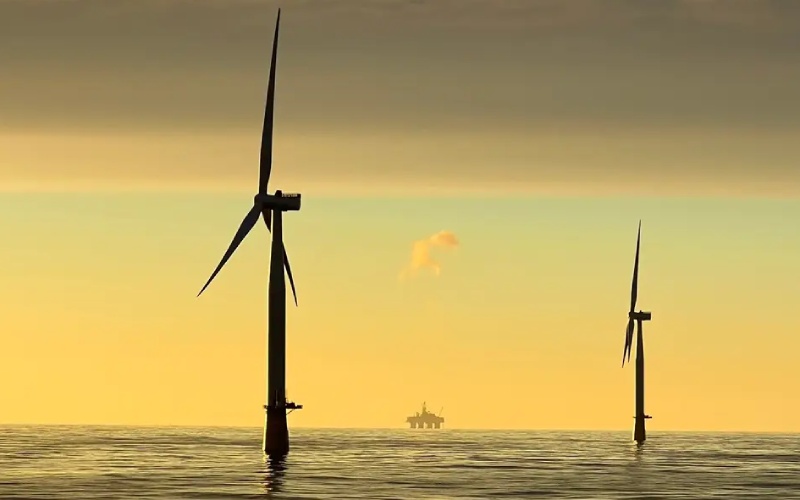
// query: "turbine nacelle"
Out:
[640,316]
[283,202]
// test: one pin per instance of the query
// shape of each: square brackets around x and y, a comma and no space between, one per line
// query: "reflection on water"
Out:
[638,451]
[275,469]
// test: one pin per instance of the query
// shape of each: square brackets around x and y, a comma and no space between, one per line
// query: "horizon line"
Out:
[467,429]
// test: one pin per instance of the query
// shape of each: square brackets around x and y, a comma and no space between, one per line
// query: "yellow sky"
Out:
[522,329]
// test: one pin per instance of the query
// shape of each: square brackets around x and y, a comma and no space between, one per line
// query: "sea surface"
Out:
[53,462]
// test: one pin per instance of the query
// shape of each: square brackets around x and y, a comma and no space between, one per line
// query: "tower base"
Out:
[276,432]
[639,433]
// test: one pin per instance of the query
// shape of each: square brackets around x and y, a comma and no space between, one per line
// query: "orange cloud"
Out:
[421,252]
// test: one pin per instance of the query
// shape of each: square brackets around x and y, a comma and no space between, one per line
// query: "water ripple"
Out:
[47,462]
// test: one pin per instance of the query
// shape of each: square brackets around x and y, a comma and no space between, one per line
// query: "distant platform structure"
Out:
[426,419]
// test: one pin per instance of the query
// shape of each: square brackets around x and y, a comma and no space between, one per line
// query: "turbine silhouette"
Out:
[639,433]
[270,208]
[263,203]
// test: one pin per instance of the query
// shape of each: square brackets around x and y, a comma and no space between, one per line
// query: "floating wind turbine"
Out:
[639,434]
[270,208]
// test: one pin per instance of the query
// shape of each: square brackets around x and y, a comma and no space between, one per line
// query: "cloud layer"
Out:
[431,65]
[683,96]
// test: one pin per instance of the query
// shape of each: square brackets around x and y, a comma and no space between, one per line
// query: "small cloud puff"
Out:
[421,252]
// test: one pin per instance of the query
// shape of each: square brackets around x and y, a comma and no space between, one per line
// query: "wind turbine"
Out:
[270,208]
[639,434]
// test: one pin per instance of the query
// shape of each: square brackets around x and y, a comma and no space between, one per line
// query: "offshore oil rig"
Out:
[426,419]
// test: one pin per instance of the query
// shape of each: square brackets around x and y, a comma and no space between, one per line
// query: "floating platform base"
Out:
[421,425]
[276,432]
[639,433]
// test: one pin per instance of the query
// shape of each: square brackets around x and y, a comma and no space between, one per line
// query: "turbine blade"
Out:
[639,328]
[628,340]
[266,132]
[247,224]
[635,282]
[267,215]
[289,273]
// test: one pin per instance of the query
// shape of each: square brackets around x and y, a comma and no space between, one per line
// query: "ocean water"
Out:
[53,462]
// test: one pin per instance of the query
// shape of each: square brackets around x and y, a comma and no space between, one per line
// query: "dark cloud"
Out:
[398,65]
[455,92]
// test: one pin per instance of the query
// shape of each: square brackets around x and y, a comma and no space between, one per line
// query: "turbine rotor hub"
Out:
[261,199]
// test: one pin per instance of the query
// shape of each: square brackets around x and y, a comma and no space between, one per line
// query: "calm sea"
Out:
[208,463]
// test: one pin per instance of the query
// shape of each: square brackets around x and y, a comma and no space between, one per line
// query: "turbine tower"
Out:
[639,434]
[271,208]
